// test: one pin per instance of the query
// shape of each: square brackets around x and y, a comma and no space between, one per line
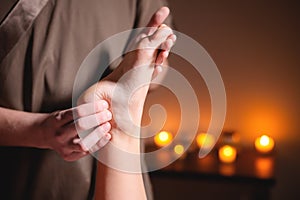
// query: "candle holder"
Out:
[228,146]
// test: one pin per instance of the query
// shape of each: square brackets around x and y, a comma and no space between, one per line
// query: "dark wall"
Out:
[256,47]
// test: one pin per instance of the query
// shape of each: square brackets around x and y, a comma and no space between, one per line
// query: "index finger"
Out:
[69,115]
[89,108]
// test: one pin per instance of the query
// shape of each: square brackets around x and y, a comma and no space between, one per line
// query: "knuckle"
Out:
[58,115]
[68,114]
[70,158]
[144,43]
[64,153]
[67,159]
[76,112]
[59,138]
[64,114]
[101,130]
[167,28]
[155,36]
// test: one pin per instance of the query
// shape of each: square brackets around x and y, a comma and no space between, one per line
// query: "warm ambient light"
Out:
[264,144]
[264,167]
[163,138]
[227,154]
[205,140]
[179,149]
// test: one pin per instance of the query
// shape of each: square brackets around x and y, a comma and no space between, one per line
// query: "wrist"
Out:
[126,142]
[123,153]
[38,131]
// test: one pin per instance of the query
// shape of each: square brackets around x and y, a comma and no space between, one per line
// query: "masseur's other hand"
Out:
[60,129]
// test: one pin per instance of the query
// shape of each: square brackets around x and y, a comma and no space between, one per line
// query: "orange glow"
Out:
[227,170]
[179,149]
[163,157]
[264,144]
[264,167]
[163,138]
[227,154]
[205,140]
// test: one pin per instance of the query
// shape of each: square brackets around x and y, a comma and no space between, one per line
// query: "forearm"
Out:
[125,182]
[115,185]
[18,128]
[119,173]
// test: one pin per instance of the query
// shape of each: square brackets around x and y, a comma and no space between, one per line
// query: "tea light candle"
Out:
[227,154]
[179,149]
[205,140]
[163,138]
[264,144]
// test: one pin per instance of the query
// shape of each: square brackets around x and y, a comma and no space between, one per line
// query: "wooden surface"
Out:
[250,177]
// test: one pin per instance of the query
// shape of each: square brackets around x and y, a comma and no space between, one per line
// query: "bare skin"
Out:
[138,67]
[57,130]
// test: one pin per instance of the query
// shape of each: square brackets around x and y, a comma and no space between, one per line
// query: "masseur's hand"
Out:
[59,130]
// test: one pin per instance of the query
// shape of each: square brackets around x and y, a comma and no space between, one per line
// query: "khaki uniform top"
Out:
[42,44]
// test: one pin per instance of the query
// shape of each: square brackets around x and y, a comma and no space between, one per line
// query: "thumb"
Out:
[157,19]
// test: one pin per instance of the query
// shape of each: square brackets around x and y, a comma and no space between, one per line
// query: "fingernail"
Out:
[104,104]
[108,114]
[166,54]
[106,126]
[174,38]
[170,43]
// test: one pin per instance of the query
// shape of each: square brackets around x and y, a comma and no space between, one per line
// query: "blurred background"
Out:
[256,46]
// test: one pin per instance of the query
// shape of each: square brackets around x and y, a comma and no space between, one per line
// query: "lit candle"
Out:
[163,138]
[227,154]
[264,144]
[178,149]
[205,140]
